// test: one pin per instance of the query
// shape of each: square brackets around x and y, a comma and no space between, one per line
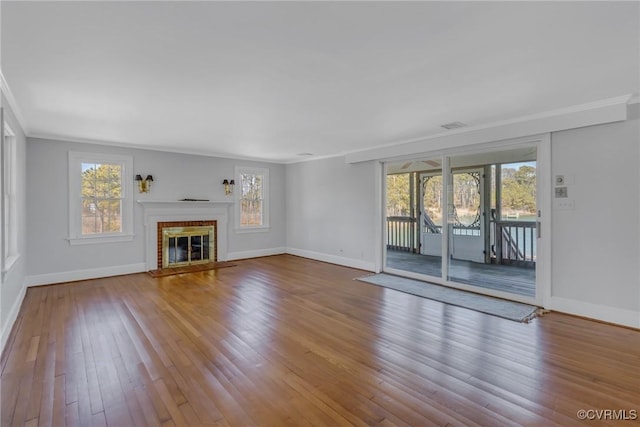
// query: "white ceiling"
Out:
[273,79]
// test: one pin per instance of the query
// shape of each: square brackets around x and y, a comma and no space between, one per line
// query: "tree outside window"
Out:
[253,207]
[101,198]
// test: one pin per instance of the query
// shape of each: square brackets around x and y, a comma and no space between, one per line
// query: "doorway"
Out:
[484,216]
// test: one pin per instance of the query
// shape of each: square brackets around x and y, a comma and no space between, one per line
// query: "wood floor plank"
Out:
[284,340]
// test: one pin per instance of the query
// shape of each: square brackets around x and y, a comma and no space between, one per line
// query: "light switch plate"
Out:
[565,204]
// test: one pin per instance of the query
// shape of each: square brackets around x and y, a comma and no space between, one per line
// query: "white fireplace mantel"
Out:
[156,211]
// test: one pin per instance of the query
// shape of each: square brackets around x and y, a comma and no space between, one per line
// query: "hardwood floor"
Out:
[287,341]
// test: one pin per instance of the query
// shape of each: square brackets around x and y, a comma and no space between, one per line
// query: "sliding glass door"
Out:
[478,209]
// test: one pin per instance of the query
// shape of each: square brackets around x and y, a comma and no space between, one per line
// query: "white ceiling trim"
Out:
[489,147]
[6,90]
[59,138]
[604,111]
[13,105]
[593,113]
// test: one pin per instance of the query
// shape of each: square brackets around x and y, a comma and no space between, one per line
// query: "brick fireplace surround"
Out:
[183,213]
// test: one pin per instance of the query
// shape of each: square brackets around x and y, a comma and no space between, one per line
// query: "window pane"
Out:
[101,180]
[251,185]
[101,190]
[89,224]
[97,183]
[253,204]
[398,195]
[89,209]
[114,179]
[101,216]
[88,180]
[251,212]
[112,217]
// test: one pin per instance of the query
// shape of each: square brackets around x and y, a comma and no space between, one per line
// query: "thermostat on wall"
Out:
[561,193]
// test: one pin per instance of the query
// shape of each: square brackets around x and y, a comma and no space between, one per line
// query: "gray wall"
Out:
[12,287]
[595,246]
[176,176]
[595,268]
[331,209]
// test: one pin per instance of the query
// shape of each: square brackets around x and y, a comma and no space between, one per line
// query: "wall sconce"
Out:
[144,185]
[228,186]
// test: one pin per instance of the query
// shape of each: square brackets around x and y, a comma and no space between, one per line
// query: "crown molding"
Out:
[313,158]
[61,138]
[593,113]
[13,105]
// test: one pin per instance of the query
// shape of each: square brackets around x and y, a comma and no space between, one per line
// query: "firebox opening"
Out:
[188,243]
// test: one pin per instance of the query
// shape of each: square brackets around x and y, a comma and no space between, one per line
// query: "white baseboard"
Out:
[604,313]
[256,253]
[92,273]
[333,259]
[11,319]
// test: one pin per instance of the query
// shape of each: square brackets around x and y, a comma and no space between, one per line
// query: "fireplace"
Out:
[183,243]
[159,214]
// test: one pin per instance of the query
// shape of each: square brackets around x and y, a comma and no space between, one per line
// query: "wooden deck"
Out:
[287,341]
[506,278]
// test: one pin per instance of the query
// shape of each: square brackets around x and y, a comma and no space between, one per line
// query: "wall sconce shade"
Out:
[144,184]
[228,186]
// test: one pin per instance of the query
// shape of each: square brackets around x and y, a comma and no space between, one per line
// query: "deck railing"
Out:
[401,232]
[516,243]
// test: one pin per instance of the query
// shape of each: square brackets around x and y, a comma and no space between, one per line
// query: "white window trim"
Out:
[9,189]
[76,158]
[265,227]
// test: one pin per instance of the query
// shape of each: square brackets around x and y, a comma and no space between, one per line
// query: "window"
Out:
[253,201]
[9,199]
[100,198]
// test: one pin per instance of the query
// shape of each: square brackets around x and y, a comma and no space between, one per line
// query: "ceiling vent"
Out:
[454,125]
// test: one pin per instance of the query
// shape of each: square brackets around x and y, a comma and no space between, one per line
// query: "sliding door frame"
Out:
[542,143]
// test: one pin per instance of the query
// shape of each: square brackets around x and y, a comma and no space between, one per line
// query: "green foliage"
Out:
[101,194]
[433,198]
[466,197]
[519,189]
[251,203]
[518,193]
[398,195]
